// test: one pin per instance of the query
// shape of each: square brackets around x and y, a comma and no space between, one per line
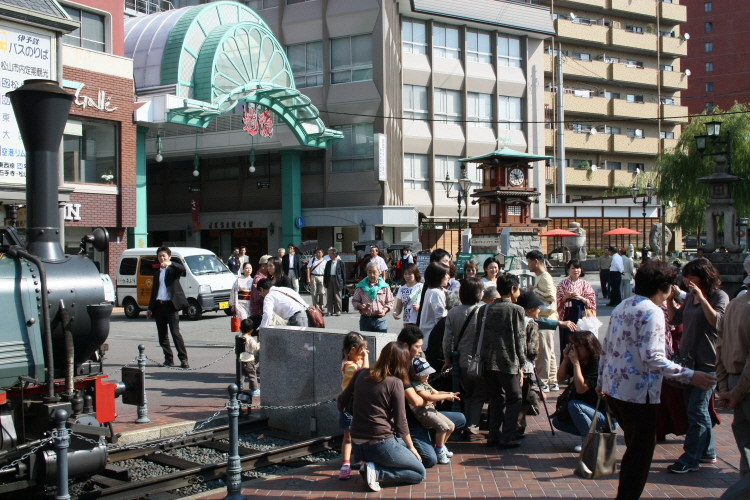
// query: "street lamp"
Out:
[464,184]
[647,198]
[713,133]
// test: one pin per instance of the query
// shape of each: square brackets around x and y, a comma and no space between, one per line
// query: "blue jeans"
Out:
[394,462]
[699,440]
[368,324]
[581,414]
[422,438]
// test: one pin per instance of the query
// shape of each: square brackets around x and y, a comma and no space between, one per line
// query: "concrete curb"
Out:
[136,436]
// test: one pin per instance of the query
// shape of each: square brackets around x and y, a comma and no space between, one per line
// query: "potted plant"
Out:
[109,178]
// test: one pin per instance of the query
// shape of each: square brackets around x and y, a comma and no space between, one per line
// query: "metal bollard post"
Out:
[62,441]
[239,348]
[142,410]
[234,468]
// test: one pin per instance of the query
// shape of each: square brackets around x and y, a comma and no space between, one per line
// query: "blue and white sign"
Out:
[299,222]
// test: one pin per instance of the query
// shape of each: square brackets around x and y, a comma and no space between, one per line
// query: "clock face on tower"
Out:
[515,177]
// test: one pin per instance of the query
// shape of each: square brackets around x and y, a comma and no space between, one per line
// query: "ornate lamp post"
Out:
[464,184]
[713,133]
[647,198]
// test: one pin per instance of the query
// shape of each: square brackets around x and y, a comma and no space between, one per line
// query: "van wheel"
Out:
[194,311]
[132,311]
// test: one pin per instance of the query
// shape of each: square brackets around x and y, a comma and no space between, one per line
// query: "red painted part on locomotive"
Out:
[104,394]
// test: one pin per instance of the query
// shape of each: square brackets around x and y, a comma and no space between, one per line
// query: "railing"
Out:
[148,6]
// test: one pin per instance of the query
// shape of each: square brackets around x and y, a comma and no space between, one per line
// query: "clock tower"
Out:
[505,200]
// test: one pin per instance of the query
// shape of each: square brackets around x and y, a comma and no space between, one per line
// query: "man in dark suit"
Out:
[333,280]
[292,266]
[167,300]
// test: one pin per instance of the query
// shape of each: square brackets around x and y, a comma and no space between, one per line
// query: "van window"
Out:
[128,266]
[149,266]
[205,264]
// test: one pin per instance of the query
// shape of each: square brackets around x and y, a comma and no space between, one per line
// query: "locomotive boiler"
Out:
[54,315]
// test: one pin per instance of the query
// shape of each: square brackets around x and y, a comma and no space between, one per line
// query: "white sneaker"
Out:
[448,452]
[554,388]
[371,476]
[577,449]
[545,388]
[442,457]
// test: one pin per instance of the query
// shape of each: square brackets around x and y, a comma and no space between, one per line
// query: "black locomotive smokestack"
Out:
[41,108]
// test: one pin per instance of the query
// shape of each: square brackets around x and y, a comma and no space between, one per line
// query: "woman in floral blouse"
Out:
[631,368]
[574,296]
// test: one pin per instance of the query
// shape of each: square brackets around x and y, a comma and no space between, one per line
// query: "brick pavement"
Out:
[541,468]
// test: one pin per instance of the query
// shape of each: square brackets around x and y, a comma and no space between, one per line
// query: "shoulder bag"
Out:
[599,451]
[685,362]
[314,313]
[561,406]
[475,370]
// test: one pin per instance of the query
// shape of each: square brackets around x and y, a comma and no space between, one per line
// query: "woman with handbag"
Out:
[576,407]
[700,315]
[631,368]
[459,342]
[574,297]
[239,299]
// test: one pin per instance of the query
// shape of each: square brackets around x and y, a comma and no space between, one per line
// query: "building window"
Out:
[415,102]
[666,135]
[612,130]
[514,210]
[416,171]
[91,33]
[414,35]
[90,152]
[509,51]
[708,26]
[634,98]
[353,153]
[445,41]
[307,64]
[709,106]
[351,59]
[262,4]
[291,2]
[709,86]
[611,95]
[636,133]
[509,112]
[708,7]
[634,29]
[709,67]
[635,167]
[581,56]
[447,105]
[709,46]
[583,163]
[479,113]
[666,67]
[612,165]
[668,100]
[478,46]
[581,128]
[448,166]
[484,210]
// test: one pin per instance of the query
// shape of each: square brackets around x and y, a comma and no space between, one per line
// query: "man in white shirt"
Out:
[285,302]
[615,278]
[381,262]
[316,268]
[244,257]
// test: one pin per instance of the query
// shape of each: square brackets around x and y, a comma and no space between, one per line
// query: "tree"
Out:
[678,170]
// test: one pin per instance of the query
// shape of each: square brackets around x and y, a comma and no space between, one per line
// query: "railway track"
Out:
[117,481]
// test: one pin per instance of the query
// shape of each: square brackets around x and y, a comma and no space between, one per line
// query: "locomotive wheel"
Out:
[132,311]
[194,311]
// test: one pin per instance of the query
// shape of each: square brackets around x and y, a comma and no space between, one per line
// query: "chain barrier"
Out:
[291,407]
[162,365]
[17,461]
[123,366]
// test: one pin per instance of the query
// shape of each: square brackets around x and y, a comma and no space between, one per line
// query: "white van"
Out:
[207,282]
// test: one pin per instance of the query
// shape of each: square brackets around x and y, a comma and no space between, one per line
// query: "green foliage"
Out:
[678,170]
[596,252]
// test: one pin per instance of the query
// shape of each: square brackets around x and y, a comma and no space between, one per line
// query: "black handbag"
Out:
[561,407]
[685,362]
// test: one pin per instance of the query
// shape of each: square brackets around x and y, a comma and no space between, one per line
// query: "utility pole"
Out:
[560,128]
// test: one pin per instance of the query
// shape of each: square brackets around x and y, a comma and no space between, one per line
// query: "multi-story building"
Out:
[622,79]
[411,86]
[717,56]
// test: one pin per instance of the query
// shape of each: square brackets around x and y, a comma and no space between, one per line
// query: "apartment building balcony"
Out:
[674,80]
[673,46]
[587,142]
[634,146]
[590,106]
[635,76]
[673,13]
[622,178]
[587,4]
[674,114]
[632,42]
[581,33]
[634,8]
[625,109]
[580,70]
[584,178]
[667,144]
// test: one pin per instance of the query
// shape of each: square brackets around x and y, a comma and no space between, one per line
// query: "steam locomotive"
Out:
[54,316]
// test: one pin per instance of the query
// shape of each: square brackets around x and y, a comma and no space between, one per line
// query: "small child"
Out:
[420,371]
[354,356]
[248,358]
[532,306]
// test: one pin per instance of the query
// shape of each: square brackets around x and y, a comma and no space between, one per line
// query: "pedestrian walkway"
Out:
[541,468]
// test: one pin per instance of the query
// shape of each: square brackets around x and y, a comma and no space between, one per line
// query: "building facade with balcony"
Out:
[412,86]
[718,57]
[622,66]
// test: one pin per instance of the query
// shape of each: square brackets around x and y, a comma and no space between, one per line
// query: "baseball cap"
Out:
[529,300]
[420,367]
[264,259]
[746,265]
